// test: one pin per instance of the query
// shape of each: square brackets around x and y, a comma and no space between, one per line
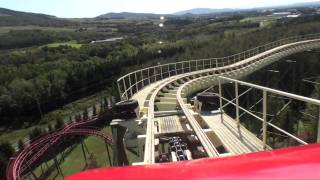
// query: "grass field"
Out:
[6,29]
[260,18]
[74,161]
[72,44]
[265,20]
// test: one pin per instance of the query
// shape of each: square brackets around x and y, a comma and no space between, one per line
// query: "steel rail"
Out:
[205,141]
[149,145]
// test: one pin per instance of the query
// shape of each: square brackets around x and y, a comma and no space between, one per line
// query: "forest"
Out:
[37,78]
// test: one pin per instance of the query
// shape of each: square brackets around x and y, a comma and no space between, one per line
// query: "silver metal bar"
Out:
[130,85]
[182,67]
[142,78]
[196,65]
[220,99]
[286,133]
[175,67]
[264,124]
[119,90]
[155,74]
[270,124]
[137,85]
[149,75]
[274,91]
[203,64]
[280,111]
[239,97]
[237,104]
[161,72]
[125,87]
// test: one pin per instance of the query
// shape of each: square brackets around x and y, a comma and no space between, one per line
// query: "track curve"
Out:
[200,79]
[24,160]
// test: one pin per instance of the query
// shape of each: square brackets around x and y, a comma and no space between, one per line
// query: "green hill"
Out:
[15,18]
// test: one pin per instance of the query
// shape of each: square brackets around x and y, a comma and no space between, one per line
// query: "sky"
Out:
[93,8]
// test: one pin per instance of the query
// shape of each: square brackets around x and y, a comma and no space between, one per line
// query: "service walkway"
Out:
[237,140]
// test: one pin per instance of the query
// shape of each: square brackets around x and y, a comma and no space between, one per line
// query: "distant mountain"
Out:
[202,11]
[16,18]
[129,15]
[295,5]
[199,11]
[307,4]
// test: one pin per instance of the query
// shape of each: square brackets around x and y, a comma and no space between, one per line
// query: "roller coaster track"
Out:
[28,157]
[187,77]
[192,73]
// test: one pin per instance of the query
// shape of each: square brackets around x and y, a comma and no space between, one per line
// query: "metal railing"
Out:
[265,92]
[131,83]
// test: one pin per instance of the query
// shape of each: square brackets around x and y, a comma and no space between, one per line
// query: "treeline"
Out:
[37,81]
[27,38]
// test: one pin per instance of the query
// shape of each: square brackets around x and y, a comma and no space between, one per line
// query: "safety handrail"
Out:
[132,82]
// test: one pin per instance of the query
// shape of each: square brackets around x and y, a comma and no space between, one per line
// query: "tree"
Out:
[42,86]
[20,144]
[70,119]
[78,118]
[50,128]
[6,151]
[59,124]
[22,91]
[85,114]
[36,132]
[309,121]
[94,110]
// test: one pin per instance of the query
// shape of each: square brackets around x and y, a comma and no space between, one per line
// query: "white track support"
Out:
[136,84]
[264,124]
[220,99]
[142,80]
[237,104]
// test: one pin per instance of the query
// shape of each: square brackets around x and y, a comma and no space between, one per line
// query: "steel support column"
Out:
[220,98]
[237,103]
[264,124]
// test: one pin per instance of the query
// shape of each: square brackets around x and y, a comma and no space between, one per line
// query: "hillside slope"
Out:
[16,18]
